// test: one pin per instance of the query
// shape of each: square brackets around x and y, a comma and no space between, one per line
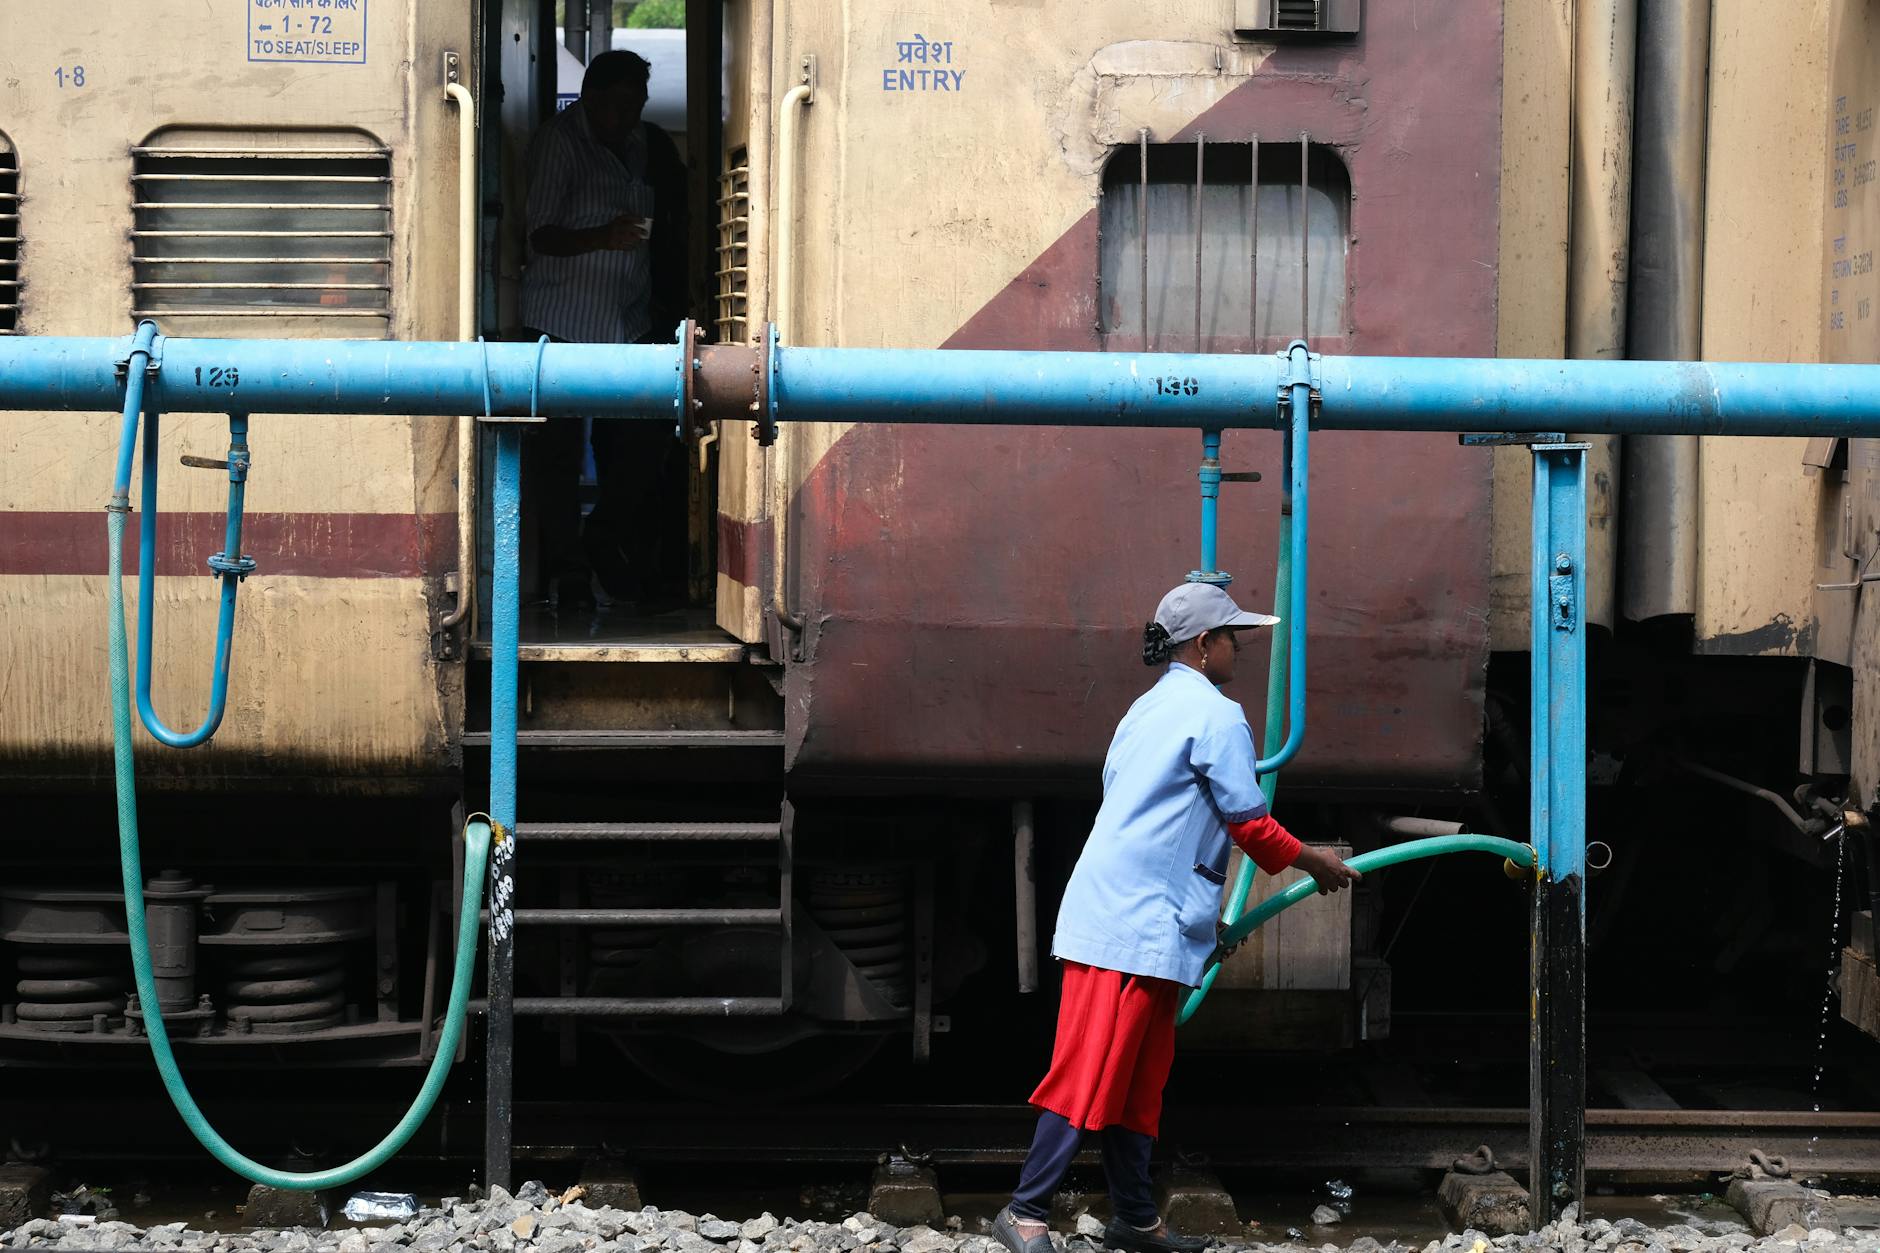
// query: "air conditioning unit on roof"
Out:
[1266,18]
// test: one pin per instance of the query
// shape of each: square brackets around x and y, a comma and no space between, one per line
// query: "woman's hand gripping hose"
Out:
[1327,870]
[1516,855]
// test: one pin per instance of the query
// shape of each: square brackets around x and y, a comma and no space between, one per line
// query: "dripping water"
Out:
[1838,835]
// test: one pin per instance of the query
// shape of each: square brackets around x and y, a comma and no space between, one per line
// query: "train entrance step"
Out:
[570,915]
[643,832]
[610,740]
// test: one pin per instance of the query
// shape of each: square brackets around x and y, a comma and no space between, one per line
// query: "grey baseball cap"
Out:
[1196,607]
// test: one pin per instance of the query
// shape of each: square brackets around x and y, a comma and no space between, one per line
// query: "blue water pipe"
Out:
[231,565]
[1285,686]
[881,385]
[1295,515]
[137,361]
[1210,478]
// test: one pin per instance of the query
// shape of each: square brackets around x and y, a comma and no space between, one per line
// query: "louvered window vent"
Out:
[9,238]
[734,233]
[295,225]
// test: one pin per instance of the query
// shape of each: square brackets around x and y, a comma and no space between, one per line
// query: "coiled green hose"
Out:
[476,860]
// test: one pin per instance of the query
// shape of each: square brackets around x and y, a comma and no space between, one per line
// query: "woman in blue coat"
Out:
[1138,920]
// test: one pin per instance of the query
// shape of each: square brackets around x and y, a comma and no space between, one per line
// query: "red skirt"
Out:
[1115,1044]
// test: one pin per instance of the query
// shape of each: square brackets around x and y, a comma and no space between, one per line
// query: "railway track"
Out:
[1625,1147]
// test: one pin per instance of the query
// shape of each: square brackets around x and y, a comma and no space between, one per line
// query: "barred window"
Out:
[734,233]
[1238,303]
[276,224]
[9,238]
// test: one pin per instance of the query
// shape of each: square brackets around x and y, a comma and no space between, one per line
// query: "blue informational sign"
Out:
[922,64]
[318,32]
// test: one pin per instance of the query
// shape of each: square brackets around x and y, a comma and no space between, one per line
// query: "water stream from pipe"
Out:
[1828,983]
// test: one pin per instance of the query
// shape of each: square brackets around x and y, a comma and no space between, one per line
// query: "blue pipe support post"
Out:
[231,565]
[1557,829]
[505,636]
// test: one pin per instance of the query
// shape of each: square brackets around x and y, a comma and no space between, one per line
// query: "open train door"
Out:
[738,196]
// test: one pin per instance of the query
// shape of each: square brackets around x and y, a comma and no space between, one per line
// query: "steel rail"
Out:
[1625,1147]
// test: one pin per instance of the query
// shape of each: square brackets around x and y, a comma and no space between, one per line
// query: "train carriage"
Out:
[904,647]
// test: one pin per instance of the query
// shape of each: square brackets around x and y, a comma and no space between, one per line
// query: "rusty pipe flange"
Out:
[761,409]
[692,350]
[685,364]
[730,384]
[766,408]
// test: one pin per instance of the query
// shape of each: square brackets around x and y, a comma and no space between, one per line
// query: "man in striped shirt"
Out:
[606,233]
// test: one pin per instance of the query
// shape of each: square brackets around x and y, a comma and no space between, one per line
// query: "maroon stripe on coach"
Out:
[307,545]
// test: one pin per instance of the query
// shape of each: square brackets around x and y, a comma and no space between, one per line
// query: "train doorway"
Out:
[620,546]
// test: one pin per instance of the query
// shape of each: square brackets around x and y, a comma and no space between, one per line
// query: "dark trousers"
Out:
[626,532]
[1125,1170]
[629,531]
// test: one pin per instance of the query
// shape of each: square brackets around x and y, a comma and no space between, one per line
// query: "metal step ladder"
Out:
[609,740]
[568,915]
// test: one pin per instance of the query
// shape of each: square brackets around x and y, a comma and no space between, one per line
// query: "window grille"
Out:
[1246,298]
[1296,14]
[9,238]
[734,233]
[1296,17]
[295,226]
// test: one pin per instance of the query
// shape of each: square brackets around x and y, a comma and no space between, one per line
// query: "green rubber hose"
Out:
[476,860]
[1275,732]
[1520,855]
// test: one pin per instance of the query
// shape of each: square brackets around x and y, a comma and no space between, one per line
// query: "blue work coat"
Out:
[1146,892]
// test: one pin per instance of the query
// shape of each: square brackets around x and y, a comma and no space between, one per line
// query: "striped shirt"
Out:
[576,181]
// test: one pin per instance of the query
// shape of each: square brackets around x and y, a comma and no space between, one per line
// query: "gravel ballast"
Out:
[535,1221]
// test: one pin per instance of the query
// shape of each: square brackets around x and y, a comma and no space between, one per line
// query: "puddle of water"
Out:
[1858,1213]
[1704,1211]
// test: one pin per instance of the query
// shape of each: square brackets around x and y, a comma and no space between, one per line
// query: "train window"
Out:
[734,234]
[233,224]
[9,238]
[1249,291]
